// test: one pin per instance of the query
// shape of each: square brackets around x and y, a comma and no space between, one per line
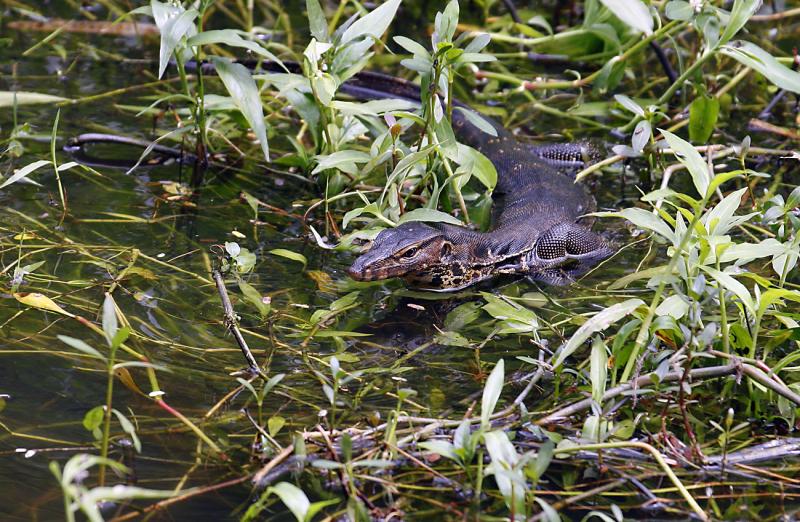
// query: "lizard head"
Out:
[397,252]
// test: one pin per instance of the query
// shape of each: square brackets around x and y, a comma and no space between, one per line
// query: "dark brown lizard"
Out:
[537,229]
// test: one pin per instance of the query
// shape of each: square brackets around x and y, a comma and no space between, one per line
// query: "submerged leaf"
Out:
[288,254]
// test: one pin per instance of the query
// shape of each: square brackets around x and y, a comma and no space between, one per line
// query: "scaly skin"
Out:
[537,206]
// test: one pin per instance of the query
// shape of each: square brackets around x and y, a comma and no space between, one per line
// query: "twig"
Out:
[774,449]
[258,478]
[512,10]
[662,58]
[712,371]
[760,125]
[775,16]
[186,496]
[232,324]
[762,378]
[585,404]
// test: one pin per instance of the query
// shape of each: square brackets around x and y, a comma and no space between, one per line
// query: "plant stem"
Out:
[723,316]
[699,511]
[107,417]
[644,329]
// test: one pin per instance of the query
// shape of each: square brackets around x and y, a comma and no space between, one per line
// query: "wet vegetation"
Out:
[178,335]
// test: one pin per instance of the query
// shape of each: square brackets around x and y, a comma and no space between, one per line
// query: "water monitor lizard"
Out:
[537,210]
[536,229]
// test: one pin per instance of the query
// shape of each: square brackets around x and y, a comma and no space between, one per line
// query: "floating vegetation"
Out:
[182,192]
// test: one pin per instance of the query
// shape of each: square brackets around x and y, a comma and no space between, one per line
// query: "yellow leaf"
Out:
[127,379]
[41,301]
[324,281]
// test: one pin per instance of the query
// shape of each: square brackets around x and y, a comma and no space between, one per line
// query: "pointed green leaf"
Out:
[244,92]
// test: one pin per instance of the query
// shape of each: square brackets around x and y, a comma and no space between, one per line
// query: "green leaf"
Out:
[480,41]
[742,253]
[509,478]
[491,391]
[274,425]
[774,294]
[234,39]
[24,172]
[515,318]
[120,337]
[633,12]
[641,135]
[703,113]
[244,92]
[128,427]
[294,498]
[373,24]
[461,316]
[720,219]
[596,323]
[477,120]
[430,215]
[7,98]
[94,418]
[440,447]
[174,24]
[110,325]
[317,23]
[689,156]
[732,285]
[288,254]
[674,306]
[253,297]
[740,14]
[598,369]
[643,219]
[340,159]
[472,161]
[679,10]
[629,104]
[81,346]
[755,57]
[445,23]
[411,46]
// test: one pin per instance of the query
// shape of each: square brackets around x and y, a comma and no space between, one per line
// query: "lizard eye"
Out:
[411,252]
